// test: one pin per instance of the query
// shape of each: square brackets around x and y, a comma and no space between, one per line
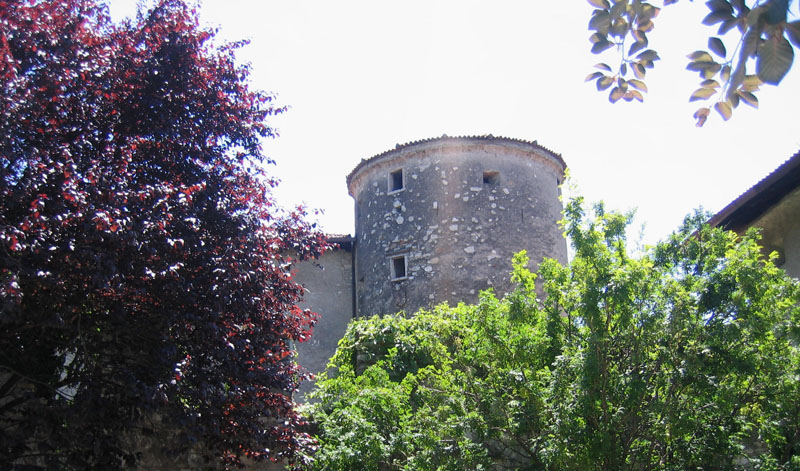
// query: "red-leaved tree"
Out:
[144,289]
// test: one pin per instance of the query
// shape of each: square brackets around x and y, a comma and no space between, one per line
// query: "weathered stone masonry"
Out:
[437,220]
[462,207]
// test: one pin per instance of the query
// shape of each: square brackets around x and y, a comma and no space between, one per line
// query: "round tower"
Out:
[439,219]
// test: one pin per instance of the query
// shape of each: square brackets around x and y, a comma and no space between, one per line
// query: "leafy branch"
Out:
[764,52]
[612,25]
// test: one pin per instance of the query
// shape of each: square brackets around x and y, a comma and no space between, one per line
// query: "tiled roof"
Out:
[445,137]
[341,241]
[338,236]
[760,197]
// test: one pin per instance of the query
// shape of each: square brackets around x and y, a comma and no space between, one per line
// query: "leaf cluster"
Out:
[685,357]
[760,32]
[612,26]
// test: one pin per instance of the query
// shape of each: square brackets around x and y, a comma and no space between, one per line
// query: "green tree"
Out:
[684,357]
[760,49]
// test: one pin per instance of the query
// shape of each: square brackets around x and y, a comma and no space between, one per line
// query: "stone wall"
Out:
[329,292]
[780,231]
[448,227]
[792,249]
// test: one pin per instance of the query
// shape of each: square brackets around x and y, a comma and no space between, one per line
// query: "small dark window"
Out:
[396,180]
[491,178]
[398,267]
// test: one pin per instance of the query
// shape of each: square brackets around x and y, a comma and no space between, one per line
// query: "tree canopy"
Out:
[683,357]
[760,50]
[144,288]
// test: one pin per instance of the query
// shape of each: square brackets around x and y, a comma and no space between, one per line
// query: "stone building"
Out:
[772,204]
[436,220]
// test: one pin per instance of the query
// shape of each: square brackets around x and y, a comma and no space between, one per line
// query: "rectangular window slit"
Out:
[398,267]
[396,180]
[491,178]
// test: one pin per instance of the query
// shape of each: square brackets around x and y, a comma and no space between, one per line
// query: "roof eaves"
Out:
[761,196]
[341,241]
[445,137]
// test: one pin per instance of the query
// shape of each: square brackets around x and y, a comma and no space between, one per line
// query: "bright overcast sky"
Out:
[362,76]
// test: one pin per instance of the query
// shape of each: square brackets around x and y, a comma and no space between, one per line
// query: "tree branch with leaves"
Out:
[760,50]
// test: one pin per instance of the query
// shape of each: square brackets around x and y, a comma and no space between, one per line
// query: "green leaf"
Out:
[648,55]
[702,94]
[793,31]
[619,28]
[748,98]
[720,6]
[636,95]
[700,66]
[716,17]
[618,8]
[724,110]
[603,66]
[774,59]
[726,73]
[604,83]
[597,37]
[603,4]
[752,80]
[593,76]
[600,22]
[638,70]
[717,47]
[615,95]
[701,115]
[739,5]
[711,71]
[636,47]
[700,56]
[751,83]
[637,84]
[601,46]
[727,25]
[776,11]
[645,26]
[756,16]
[649,12]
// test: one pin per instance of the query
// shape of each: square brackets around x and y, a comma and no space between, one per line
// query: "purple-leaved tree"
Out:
[144,288]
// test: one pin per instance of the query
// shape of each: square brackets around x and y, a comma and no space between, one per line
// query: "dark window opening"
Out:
[398,267]
[396,180]
[491,178]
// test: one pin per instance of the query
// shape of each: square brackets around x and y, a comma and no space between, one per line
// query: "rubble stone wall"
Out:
[464,207]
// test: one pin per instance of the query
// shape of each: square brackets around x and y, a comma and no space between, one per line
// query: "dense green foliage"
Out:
[684,357]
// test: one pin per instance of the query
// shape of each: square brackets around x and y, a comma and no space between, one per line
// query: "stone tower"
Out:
[439,219]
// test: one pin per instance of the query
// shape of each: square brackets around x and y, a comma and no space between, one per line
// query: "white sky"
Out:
[363,75]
